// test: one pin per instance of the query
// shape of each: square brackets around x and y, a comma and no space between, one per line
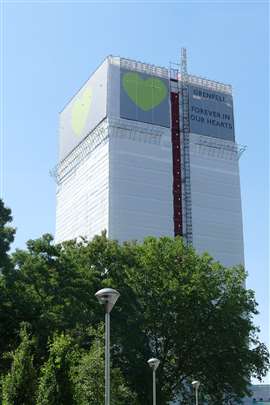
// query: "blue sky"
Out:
[50,48]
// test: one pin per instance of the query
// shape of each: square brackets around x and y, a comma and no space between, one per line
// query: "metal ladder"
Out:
[185,131]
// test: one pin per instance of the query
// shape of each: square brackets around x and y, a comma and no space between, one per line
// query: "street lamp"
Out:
[108,298]
[196,385]
[153,364]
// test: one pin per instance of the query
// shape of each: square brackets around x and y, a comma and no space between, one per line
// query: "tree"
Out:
[9,328]
[6,235]
[46,288]
[19,385]
[186,309]
[88,377]
[190,312]
[54,385]
[75,375]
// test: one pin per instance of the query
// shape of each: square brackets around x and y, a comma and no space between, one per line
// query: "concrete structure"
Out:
[146,151]
[260,395]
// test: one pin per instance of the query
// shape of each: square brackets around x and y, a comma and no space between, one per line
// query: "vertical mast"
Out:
[183,61]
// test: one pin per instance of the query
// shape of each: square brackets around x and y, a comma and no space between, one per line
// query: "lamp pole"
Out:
[107,359]
[153,364]
[196,385]
[107,297]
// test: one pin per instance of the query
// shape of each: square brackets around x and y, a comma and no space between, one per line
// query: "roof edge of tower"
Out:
[143,67]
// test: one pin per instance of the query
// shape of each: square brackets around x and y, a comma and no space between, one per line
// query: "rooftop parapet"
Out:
[165,73]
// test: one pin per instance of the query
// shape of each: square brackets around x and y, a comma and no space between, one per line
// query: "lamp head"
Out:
[196,384]
[108,298]
[153,363]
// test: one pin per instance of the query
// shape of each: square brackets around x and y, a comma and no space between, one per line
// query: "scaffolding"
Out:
[138,66]
[68,165]
[180,87]
[109,127]
[171,73]
[218,148]
[179,81]
[176,160]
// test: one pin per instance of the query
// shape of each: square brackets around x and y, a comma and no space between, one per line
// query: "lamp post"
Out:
[108,298]
[196,385]
[153,364]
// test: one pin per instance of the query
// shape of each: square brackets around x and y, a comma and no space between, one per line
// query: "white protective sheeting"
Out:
[216,202]
[140,185]
[82,198]
[122,181]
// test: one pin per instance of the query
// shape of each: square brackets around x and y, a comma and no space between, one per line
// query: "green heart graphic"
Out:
[147,93]
[80,111]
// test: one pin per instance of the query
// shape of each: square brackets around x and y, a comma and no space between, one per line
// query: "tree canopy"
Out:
[19,384]
[189,311]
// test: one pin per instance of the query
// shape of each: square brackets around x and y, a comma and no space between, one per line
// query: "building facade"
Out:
[260,395]
[146,150]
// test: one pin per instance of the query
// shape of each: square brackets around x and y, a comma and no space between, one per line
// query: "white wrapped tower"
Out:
[146,151]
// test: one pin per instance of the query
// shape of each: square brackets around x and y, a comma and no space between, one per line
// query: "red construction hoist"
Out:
[176,160]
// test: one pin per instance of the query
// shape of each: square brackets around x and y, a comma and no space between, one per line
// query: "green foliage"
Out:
[186,309]
[196,319]
[19,384]
[8,323]
[75,376]
[54,385]
[6,235]
[88,377]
